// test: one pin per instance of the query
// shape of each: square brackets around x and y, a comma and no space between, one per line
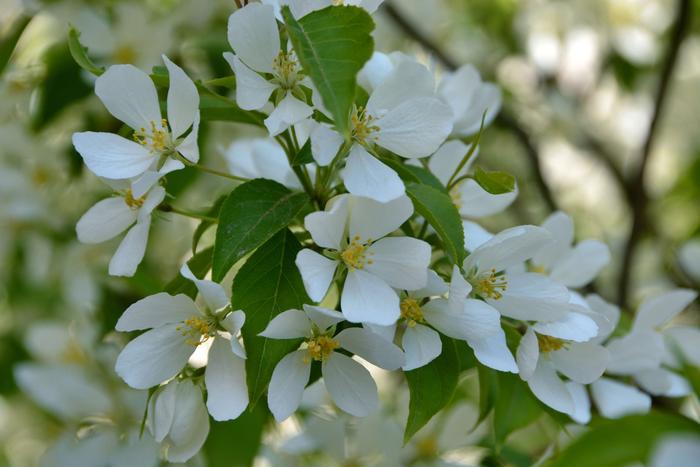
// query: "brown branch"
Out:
[638,196]
[505,121]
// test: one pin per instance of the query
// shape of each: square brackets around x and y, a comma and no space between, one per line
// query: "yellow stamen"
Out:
[491,284]
[549,344]
[124,54]
[286,69]
[456,197]
[197,330]
[362,125]
[355,255]
[411,312]
[427,448]
[537,268]
[321,347]
[157,139]
[132,202]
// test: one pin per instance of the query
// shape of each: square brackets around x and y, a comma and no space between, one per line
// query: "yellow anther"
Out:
[549,344]
[321,347]
[411,312]
[197,330]
[124,54]
[156,138]
[362,126]
[427,448]
[286,69]
[132,202]
[491,284]
[537,268]
[355,255]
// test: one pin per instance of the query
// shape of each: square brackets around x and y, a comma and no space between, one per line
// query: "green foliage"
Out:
[10,39]
[332,45]
[246,431]
[79,53]
[304,155]
[439,210]
[214,108]
[495,183]
[611,443]
[249,216]
[431,388]
[268,284]
[413,174]
[515,406]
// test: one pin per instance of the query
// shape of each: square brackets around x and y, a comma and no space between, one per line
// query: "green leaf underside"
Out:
[431,388]
[332,45]
[268,284]
[631,439]
[440,212]
[496,183]
[251,214]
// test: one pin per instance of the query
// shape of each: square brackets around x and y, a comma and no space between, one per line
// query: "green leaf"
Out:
[252,213]
[495,183]
[488,390]
[246,430]
[431,387]
[625,441]
[206,223]
[411,173]
[332,45]
[10,39]
[304,155]
[199,265]
[515,406]
[267,284]
[440,212]
[79,53]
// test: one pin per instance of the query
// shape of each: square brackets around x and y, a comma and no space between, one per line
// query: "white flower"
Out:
[301,8]
[178,419]
[352,230]
[469,98]
[350,385]
[469,197]
[675,450]
[254,37]
[542,357]
[177,327]
[112,216]
[402,115]
[130,95]
[573,266]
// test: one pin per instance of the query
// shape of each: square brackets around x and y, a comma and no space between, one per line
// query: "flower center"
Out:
[157,139]
[321,347]
[132,202]
[124,54]
[355,255]
[286,69]
[197,330]
[490,284]
[427,448]
[456,197]
[549,344]
[411,312]
[362,124]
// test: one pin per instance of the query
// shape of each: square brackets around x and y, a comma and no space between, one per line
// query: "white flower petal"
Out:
[416,128]
[487,100]
[582,404]
[183,99]
[608,311]
[129,95]
[572,326]
[289,324]
[325,143]
[446,159]
[477,202]
[252,90]
[686,340]
[458,89]
[371,347]
[582,362]
[637,351]
[370,219]
[161,411]
[402,262]
[408,80]
[287,384]
[474,235]
[374,71]
[324,318]
[188,148]
[615,399]
[532,297]
[508,248]
[253,35]
[433,288]
[528,354]
[421,346]
[214,294]
[157,310]
[459,290]
[327,228]
[111,156]
[366,176]
[316,271]
[227,392]
[659,310]
[547,387]
[368,299]
[676,450]
[190,424]
[350,385]
[288,112]
[145,182]
[582,264]
[662,382]
[105,220]
[260,158]
[131,250]
[153,357]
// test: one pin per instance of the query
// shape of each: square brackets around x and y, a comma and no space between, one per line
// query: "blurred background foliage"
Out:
[600,119]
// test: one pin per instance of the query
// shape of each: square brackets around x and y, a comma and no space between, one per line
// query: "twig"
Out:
[636,190]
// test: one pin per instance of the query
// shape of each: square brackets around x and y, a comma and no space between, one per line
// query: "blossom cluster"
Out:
[384,285]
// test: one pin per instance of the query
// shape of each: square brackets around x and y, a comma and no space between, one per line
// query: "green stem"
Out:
[193,215]
[219,173]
